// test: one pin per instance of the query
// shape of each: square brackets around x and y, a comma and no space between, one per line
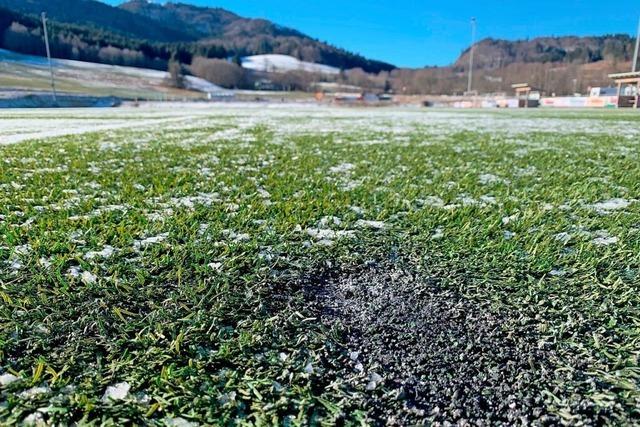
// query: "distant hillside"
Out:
[554,65]
[245,36]
[205,22]
[99,15]
[191,30]
[493,54]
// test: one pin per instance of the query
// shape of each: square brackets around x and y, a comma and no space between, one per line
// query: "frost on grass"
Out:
[373,225]
[141,244]
[7,378]
[118,391]
[230,184]
[608,206]
[178,422]
[604,239]
[106,252]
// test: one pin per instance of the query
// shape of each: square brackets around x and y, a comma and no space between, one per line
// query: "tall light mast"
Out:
[635,55]
[46,42]
[473,48]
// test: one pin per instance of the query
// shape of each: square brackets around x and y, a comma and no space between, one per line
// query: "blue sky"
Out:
[417,33]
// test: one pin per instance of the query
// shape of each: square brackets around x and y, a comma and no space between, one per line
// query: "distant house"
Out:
[628,89]
[526,95]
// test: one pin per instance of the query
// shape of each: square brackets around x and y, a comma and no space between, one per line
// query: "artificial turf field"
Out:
[298,265]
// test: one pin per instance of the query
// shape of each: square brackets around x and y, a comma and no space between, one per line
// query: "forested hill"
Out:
[141,31]
[493,54]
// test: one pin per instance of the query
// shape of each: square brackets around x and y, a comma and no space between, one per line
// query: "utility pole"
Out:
[635,55]
[46,42]
[473,48]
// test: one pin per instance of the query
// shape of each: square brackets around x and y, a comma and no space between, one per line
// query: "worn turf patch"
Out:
[419,351]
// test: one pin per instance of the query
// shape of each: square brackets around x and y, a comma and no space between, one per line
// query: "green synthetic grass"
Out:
[156,257]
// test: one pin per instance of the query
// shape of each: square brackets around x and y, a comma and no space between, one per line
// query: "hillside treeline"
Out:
[24,34]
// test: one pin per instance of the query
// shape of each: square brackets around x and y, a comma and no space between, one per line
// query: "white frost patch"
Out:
[374,380]
[150,241]
[342,168]
[236,237]
[116,392]
[375,225]
[563,237]
[438,234]
[357,210]
[88,278]
[106,252]
[264,193]
[557,272]
[6,379]
[34,391]
[178,422]
[45,262]
[611,205]
[487,178]
[604,239]
[215,266]
[432,201]
[508,219]
[328,234]
[22,250]
[329,220]
[34,419]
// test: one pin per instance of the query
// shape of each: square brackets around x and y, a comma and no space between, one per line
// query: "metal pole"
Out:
[473,47]
[46,42]
[635,55]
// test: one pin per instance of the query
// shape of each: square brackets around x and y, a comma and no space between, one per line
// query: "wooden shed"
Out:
[628,85]
[524,95]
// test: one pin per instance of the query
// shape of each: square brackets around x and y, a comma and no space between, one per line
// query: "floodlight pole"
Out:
[46,42]
[473,47]
[635,55]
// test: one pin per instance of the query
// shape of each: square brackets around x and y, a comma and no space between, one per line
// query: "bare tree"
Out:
[218,71]
[176,79]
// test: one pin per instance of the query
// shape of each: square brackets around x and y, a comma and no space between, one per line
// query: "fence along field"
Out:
[300,265]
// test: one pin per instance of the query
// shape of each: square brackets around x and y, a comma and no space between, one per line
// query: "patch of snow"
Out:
[283,63]
[487,178]
[106,252]
[328,234]
[202,85]
[7,378]
[34,391]
[88,278]
[342,168]
[178,422]
[34,419]
[604,239]
[375,225]
[150,241]
[563,237]
[611,205]
[116,392]
[215,266]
